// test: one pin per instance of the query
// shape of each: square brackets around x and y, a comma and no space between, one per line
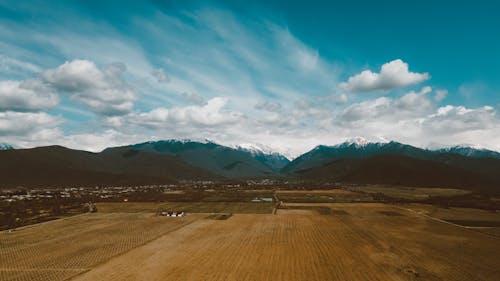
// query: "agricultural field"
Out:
[191,207]
[255,241]
[353,242]
[486,221]
[323,196]
[409,193]
[60,249]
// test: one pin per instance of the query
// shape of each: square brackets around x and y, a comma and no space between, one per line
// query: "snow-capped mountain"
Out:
[6,146]
[360,142]
[470,151]
[265,155]
[254,148]
[353,148]
[362,148]
[222,160]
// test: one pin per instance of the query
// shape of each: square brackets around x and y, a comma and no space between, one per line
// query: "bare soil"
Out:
[300,244]
[60,249]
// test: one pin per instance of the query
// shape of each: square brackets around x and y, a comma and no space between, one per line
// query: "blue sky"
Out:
[287,75]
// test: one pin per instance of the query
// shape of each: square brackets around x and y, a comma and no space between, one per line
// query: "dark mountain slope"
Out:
[479,161]
[55,165]
[323,154]
[398,170]
[218,159]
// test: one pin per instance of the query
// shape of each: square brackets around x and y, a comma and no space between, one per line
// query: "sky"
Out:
[284,75]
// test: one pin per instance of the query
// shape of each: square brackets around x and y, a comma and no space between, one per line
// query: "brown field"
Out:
[191,207]
[362,243]
[315,191]
[59,249]
[322,196]
[351,241]
[411,193]
[480,220]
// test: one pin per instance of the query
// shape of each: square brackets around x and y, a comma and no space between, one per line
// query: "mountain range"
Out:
[355,149]
[239,162]
[355,161]
[60,166]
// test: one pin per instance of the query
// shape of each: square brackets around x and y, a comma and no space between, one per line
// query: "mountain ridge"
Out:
[400,170]
[173,160]
[61,166]
[323,153]
[218,159]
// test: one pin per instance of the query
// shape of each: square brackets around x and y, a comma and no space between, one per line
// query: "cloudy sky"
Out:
[281,74]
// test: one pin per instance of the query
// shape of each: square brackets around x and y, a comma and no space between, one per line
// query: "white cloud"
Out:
[97,142]
[241,65]
[75,76]
[27,95]
[102,90]
[411,104]
[414,118]
[213,113]
[29,125]
[455,119]
[393,75]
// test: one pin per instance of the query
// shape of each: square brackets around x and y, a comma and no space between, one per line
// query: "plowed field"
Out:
[353,242]
[60,249]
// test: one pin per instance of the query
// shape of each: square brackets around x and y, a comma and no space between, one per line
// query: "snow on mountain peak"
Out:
[185,140]
[255,148]
[440,146]
[361,142]
[473,146]
[358,141]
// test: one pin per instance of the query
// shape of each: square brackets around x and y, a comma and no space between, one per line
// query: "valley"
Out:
[348,212]
[296,241]
[166,140]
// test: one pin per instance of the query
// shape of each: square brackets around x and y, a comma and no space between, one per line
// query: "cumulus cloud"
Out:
[102,90]
[213,113]
[392,75]
[242,65]
[27,95]
[412,104]
[454,119]
[416,119]
[37,125]
[160,75]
